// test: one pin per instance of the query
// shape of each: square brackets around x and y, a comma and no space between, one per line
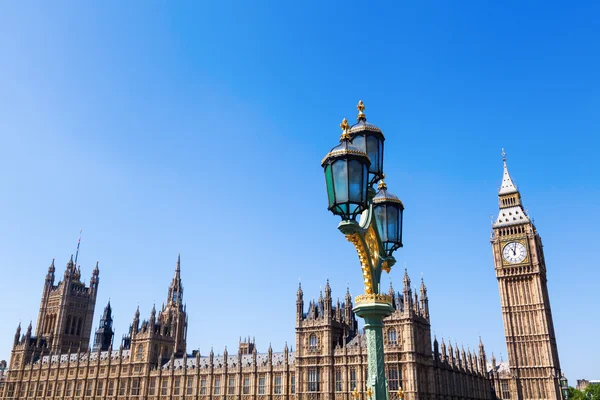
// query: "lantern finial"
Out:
[361,107]
[382,184]
[345,126]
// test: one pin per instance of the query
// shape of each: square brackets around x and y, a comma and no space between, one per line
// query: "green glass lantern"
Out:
[368,138]
[564,386]
[388,211]
[346,170]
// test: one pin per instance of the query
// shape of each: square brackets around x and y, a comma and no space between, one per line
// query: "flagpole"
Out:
[78,243]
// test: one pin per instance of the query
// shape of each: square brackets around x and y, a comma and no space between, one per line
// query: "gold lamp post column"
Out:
[372,222]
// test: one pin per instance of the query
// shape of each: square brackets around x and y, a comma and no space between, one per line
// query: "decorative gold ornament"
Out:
[344,125]
[354,238]
[361,107]
[355,393]
[382,184]
[344,151]
[370,392]
[373,298]
[400,393]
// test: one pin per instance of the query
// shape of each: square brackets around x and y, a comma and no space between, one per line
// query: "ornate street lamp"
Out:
[351,169]
[564,387]
[346,173]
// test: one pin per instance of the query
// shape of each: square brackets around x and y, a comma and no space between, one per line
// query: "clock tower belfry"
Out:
[521,272]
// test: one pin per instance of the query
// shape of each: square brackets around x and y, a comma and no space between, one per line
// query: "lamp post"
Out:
[564,387]
[351,169]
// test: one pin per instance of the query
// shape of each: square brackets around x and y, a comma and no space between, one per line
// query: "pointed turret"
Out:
[509,201]
[507,187]
[299,303]
[327,302]
[348,313]
[327,290]
[392,295]
[482,358]
[153,316]
[176,288]
[407,292]
[95,278]
[104,334]
[424,299]
[17,335]
[70,269]
[136,321]
[444,354]
[50,274]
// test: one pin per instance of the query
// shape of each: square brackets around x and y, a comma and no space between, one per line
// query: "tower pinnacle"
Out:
[507,186]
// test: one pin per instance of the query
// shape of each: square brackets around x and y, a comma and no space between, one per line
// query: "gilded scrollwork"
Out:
[370,254]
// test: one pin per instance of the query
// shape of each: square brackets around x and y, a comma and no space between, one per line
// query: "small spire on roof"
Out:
[345,126]
[382,185]
[361,107]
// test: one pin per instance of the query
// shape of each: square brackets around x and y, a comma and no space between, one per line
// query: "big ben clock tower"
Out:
[521,272]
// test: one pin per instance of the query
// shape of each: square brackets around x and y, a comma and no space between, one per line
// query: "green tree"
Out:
[592,392]
[575,394]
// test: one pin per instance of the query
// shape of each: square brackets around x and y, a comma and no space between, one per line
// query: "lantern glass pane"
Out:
[365,182]
[329,183]
[359,141]
[392,223]
[381,155]
[381,225]
[400,224]
[355,180]
[340,180]
[373,153]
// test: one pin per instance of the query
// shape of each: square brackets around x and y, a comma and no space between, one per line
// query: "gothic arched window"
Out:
[392,336]
[313,342]
[140,352]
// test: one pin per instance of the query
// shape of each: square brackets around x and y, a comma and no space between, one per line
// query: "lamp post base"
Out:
[373,308]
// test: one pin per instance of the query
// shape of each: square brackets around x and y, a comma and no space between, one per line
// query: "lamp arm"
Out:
[365,238]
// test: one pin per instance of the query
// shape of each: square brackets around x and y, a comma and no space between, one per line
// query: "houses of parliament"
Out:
[329,361]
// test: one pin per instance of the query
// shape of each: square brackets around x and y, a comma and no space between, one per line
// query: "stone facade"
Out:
[533,369]
[330,360]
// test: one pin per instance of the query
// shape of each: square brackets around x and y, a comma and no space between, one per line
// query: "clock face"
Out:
[514,252]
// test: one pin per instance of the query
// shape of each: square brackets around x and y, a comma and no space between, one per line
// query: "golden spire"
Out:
[361,107]
[382,184]
[344,125]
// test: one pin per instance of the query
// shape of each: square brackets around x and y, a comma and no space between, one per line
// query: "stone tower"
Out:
[521,271]
[319,332]
[104,334]
[163,335]
[67,310]
[174,314]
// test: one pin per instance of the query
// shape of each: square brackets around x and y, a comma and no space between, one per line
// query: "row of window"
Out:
[313,379]
[313,341]
[181,385]
[132,386]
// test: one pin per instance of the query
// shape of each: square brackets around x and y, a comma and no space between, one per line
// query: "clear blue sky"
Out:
[160,127]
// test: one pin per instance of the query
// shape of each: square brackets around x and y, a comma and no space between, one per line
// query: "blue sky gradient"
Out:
[195,127]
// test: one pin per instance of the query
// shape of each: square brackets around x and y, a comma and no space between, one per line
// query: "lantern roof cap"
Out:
[384,196]
[362,124]
[345,148]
